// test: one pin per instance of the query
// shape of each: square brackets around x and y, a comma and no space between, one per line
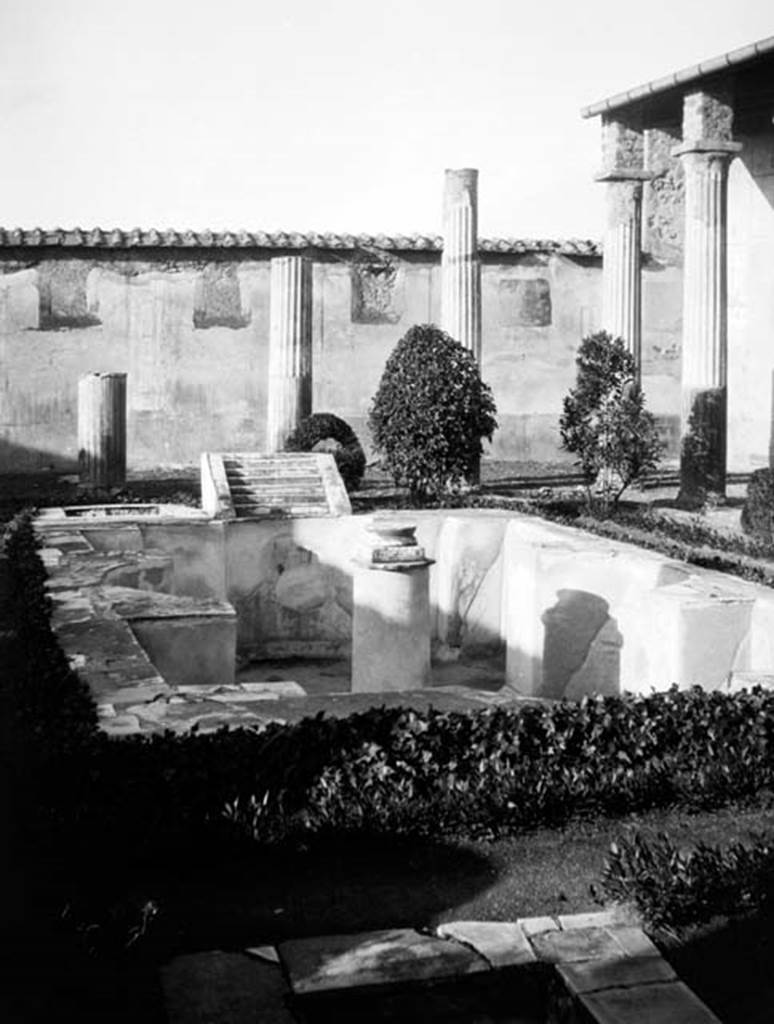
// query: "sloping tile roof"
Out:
[115,238]
[743,55]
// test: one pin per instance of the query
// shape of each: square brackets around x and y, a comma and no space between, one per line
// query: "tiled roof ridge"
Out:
[138,238]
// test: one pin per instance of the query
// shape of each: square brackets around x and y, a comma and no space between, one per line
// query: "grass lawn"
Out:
[230,899]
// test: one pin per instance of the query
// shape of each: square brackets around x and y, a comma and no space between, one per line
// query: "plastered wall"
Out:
[191,331]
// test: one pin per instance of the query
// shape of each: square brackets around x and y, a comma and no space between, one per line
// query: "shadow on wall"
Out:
[581,647]
[17,458]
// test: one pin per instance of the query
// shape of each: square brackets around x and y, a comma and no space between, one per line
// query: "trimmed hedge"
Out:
[490,772]
[673,887]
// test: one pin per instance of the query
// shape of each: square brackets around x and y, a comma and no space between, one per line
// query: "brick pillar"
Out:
[102,430]
[623,175]
[460,268]
[706,152]
[290,348]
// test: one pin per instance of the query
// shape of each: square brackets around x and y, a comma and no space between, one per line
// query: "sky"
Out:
[328,115]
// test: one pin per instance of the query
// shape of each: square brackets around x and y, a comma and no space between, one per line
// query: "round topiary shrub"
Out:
[430,412]
[324,432]
[758,511]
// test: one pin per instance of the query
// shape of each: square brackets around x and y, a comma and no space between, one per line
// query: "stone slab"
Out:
[594,975]
[537,925]
[393,957]
[575,945]
[227,988]
[667,1003]
[620,915]
[634,941]
[501,943]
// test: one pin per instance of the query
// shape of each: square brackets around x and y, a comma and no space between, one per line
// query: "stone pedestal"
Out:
[391,614]
[705,331]
[621,270]
[290,348]
[102,430]
[460,268]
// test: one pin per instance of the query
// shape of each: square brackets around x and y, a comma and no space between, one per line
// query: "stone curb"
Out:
[604,968]
[601,969]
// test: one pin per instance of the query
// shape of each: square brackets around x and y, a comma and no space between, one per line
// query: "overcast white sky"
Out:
[336,115]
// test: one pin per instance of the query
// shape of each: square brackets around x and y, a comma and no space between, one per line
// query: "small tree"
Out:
[605,422]
[430,412]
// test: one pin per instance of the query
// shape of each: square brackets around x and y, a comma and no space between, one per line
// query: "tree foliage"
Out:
[604,421]
[430,412]
[345,446]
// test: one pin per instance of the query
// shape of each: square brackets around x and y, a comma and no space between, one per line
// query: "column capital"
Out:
[636,175]
[712,147]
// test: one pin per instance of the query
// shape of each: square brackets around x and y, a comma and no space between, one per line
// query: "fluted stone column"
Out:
[706,152]
[460,267]
[102,430]
[290,348]
[621,260]
[623,174]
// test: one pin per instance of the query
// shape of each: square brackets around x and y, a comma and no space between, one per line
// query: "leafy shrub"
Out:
[758,510]
[672,887]
[348,453]
[604,421]
[430,412]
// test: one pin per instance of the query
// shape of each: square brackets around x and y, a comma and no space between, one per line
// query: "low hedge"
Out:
[490,772]
[673,888]
[324,426]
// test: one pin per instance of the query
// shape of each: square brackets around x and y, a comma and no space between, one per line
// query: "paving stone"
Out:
[669,1003]
[338,962]
[501,943]
[593,975]
[120,725]
[537,925]
[634,941]
[578,944]
[227,988]
[267,953]
[280,688]
[613,917]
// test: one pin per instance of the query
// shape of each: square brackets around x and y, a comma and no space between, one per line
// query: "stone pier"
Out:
[391,615]
[102,431]
[460,267]
[290,348]
[706,152]
[623,175]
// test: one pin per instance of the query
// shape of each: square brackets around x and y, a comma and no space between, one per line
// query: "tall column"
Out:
[706,152]
[623,175]
[102,430]
[460,267]
[290,348]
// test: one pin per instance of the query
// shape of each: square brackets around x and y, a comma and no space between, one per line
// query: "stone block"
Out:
[501,943]
[578,944]
[634,942]
[594,975]
[667,1003]
[537,925]
[394,957]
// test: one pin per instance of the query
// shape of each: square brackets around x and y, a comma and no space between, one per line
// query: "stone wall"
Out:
[190,328]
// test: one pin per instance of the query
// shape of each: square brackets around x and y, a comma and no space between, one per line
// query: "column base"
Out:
[703,447]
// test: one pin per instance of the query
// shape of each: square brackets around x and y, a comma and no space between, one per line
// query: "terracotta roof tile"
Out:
[115,238]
